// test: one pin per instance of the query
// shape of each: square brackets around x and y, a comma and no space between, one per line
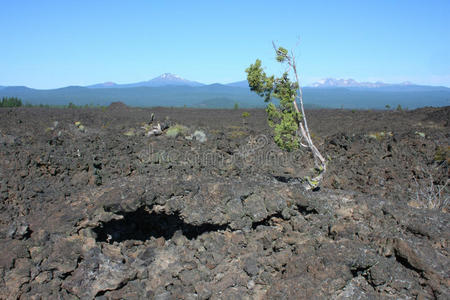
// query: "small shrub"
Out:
[379,135]
[430,195]
[245,114]
[130,132]
[176,130]
[421,134]
[237,134]
[442,154]
[236,105]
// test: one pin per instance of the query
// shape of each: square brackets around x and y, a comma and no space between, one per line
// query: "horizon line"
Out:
[404,83]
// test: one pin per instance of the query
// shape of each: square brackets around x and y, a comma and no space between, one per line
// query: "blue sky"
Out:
[49,44]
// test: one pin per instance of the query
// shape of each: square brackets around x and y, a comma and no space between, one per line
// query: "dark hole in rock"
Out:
[283,179]
[364,272]
[356,271]
[306,210]
[267,221]
[27,234]
[141,225]
[404,262]
[287,179]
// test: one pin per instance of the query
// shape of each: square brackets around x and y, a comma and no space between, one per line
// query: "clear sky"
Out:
[49,44]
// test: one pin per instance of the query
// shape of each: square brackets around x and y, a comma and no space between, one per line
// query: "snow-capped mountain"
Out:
[108,84]
[332,82]
[170,79]
[166,79]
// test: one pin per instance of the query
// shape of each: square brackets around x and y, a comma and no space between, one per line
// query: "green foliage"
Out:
[399,108]
[442,154]
[176,130]
[71,105]
[387,106]
[281,54]
[10,102]
[259,82]
[285,131]
[283,117]
[236,105]
[245,114]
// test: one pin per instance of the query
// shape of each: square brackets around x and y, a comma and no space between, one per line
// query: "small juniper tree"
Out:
[245,115]
[289,122]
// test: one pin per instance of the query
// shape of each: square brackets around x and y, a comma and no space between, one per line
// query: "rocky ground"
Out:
[92,207]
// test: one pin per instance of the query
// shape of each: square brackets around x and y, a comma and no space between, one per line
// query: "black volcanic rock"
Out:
[176,219]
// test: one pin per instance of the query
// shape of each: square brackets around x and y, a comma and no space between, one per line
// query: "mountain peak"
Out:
[169,76]
[108,84]
[171,79]
[333,82]
[165,79]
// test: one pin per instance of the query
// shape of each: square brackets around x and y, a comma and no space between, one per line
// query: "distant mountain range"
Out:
[166,79]
[332,82]
[162,80]
[241,84]
[172,90]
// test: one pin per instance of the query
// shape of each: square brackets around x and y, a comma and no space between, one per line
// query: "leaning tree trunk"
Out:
[304,134]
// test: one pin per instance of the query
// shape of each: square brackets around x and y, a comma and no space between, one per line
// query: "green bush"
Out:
[10,102]
[176,130]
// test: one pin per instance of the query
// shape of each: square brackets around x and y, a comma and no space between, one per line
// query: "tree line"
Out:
[10,102]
